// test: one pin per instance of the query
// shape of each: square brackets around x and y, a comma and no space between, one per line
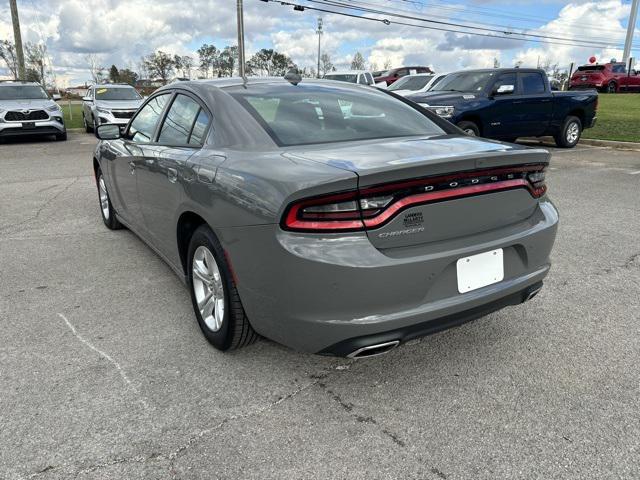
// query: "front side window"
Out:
[144,124]
[180,120]
[311,114]
[619,69]
[19,92]
[532,83]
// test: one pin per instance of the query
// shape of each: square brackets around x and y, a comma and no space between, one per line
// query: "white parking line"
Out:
[637,172]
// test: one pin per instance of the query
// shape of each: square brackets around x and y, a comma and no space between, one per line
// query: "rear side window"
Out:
[180,121]
[619,69]
[532,83]
[144,124]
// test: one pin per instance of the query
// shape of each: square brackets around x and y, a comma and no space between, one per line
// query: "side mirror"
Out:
[504,90]
[108,131]
[87,99]
[56,97]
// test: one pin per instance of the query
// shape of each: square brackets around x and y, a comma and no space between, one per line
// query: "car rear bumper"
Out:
[327,294]
[41,127]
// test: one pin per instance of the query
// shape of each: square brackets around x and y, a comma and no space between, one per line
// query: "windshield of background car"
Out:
[464,82]
[309,114]
[117,94]
[410,83]
[18,92]
[351,78]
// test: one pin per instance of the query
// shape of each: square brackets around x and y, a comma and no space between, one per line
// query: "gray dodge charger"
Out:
[333,218]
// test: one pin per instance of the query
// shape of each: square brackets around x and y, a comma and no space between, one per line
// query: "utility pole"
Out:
[319,32]
[241,70]
[17,38]
[630,29]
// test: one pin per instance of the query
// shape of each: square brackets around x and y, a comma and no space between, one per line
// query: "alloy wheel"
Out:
[104,198]
[573,132]
[208,288]
[470,131]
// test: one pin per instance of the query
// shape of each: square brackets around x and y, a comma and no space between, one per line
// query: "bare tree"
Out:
[8,55]
[36,58]
[325,64]
[387,64]
[96,70]
[358,62]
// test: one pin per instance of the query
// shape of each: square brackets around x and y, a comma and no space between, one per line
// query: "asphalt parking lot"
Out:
[104,373]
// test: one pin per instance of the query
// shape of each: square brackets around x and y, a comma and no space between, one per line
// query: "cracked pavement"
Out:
[104,373]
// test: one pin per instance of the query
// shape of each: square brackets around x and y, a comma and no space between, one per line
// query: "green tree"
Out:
[227,62]
[358,62]
[114,74]
[127,76]
[209,57]
[160,65]
[269,62]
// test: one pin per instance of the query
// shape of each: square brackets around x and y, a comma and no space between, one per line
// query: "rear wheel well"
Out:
[577,113]
[187,224]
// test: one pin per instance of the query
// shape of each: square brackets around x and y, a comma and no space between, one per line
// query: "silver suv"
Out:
[109,104]
[26,109]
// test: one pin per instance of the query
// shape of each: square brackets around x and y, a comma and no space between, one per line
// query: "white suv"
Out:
[112,103]
[26,110]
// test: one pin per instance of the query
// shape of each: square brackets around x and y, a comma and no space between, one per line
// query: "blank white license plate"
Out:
[480,270]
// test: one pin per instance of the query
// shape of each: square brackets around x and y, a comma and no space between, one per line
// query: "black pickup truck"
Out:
[507,103]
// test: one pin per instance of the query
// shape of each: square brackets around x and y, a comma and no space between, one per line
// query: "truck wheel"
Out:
[611,87]
[570,132]
[469,128]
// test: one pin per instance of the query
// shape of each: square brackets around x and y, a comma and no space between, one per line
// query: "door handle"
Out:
[172,175]
[132,167]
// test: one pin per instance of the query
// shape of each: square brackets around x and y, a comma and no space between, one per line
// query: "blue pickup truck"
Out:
[507,103]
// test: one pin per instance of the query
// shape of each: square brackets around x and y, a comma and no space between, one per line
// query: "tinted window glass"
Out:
[348,77]
[506,79]
[17,92]
[619,69]
[362,79]
[199,128]
[180,119]
[410,83]
[144,124]
[532,83]
[118,93]
[308,114]
[465,82]
[587,68]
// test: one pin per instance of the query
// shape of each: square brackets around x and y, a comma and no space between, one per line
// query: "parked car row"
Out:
[608,77]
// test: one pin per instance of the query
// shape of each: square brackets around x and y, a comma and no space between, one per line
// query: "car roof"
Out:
[419,75]
[113,85]
[12,83]
[346,72]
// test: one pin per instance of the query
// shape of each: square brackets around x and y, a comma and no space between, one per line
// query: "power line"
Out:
[386,21]
[485,11]
[339,4]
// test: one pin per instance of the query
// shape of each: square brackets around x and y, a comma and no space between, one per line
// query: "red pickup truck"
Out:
[607,77]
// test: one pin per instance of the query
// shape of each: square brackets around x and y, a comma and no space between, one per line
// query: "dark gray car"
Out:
[329,217]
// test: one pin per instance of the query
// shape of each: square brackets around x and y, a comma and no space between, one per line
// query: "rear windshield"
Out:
[348,77]
[411,83]
[309,114]
[117,94]
[586,68]
[18,92]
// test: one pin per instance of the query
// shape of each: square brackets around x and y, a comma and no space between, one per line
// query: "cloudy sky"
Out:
[121,31]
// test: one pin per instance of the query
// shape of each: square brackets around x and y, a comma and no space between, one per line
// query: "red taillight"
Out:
[374,206]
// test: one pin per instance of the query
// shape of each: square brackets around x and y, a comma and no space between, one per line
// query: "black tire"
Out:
[236,331]
[611,87]
[470,128]
[563,139]
[110,220]
[95,127]
[87,128]
[61,137]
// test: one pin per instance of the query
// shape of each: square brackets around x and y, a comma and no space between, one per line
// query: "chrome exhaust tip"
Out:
[374,350]
[532,293]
